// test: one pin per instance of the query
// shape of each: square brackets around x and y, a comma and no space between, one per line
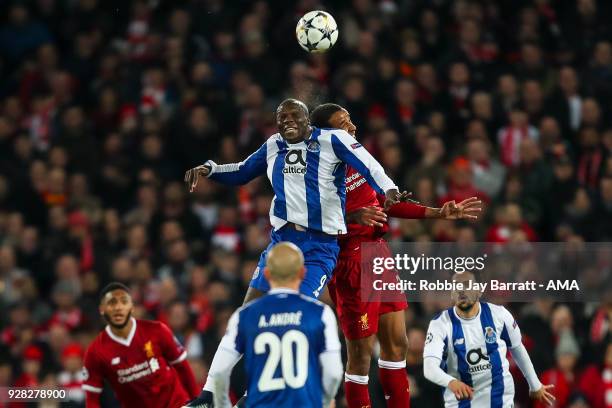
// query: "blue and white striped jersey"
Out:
[474,351]
[287,340]
[307,177]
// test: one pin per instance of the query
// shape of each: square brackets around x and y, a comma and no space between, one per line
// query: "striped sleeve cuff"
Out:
[180,358]
[91,388]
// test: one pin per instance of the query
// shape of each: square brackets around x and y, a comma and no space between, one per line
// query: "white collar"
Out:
[473,318]
[282,290]
[125,341]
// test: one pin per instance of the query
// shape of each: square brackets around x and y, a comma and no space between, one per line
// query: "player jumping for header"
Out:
[141,359]
[362,320]
[306,167]
[465,352]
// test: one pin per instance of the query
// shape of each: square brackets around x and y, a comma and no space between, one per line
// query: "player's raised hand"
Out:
[543,395]
[461,390]
[466,209]
[369,216]
[192,176]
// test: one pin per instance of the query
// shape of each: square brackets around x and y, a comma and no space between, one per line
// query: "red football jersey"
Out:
[138,368]
[359,194]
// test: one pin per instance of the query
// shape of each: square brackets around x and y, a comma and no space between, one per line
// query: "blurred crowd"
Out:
[105,103]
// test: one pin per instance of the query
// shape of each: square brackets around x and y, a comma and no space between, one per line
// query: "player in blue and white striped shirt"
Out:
[465,352]
[289,342]
[306,166]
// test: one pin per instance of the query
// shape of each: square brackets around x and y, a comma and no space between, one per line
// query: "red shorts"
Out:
[358,308]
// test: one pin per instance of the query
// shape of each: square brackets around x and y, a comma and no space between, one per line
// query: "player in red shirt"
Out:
[144,363]
[362,321]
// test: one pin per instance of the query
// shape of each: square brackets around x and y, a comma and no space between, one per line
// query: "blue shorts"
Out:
[320,255]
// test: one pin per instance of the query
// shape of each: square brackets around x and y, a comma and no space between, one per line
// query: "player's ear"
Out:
[266,272]
[302,273]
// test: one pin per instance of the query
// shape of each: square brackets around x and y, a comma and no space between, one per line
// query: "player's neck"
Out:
[302,138]
[291,286]
[124,331]
[468,314]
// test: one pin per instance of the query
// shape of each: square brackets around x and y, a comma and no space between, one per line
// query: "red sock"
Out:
[356,391]
[394,381]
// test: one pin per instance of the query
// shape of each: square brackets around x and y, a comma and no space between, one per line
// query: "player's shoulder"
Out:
[442,315]
[99,346]
[151,326]
[497,310]
[304,302]
[97,343]
[441,319]
[148,324]
[492,306]
[327,133]
[275,138]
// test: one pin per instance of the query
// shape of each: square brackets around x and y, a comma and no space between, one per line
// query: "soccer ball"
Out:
[316,31]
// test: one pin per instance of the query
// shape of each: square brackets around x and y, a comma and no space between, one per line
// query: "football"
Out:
[316,31]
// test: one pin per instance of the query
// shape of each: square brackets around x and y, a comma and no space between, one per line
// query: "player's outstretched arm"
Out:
[355,155]
[519,353]
[466,209]
[232,174]
[537,390]
[543,395]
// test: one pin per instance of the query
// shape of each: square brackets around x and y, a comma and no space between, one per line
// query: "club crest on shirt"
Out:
[148,348]
[490,336]
[363,321]
[313,146]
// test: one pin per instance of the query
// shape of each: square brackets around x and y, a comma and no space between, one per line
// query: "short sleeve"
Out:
[435,340]
[172,349]
[232,340]
[93,380]
[511,333]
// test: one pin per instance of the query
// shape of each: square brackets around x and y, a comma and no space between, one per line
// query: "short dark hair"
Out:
[320,116]
[293,101]
[112,287]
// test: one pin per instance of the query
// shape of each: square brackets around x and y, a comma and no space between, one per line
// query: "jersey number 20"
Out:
[294,368]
